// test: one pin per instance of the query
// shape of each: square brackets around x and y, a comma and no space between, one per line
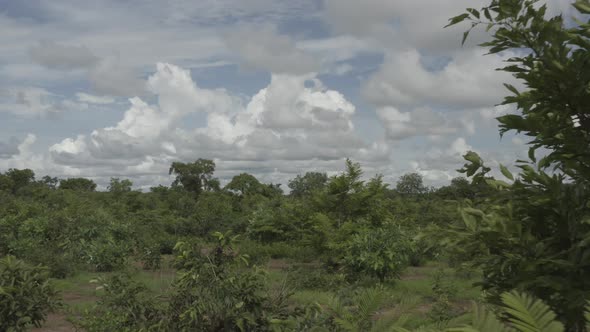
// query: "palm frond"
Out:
[529,315]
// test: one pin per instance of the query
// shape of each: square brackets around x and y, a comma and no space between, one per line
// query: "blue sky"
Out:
[271,87]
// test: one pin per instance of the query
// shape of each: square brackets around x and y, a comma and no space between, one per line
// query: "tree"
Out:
[195,177]
[120,186]
[533,234]
[245,184]
[77,184]
[307,184]
[410,184]
[50,182]
[15,179]
[343,195]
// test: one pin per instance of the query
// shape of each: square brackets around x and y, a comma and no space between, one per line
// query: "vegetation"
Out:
[337,253]
[26,295]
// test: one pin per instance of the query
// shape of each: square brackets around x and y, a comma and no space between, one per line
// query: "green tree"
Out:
[533,234]
[195,177]
[15,179]
[307,184]
[120,186]
[410,184]
[343,193]
[77,184]
[245,184]
[50,182]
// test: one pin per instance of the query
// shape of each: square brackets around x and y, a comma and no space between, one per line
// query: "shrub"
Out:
[444,290]
[26,295]
[382,253]
[149,255]
[125,305]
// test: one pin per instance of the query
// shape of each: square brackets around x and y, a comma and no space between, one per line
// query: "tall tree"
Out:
[117,185]
[245,184]
[195,177]
[410,184]
[19,178]
[308,183]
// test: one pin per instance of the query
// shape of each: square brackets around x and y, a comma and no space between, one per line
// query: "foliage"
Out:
[26,295]
[306,185]
[245,184]
[235,298]
[195,177]
[410,184]
[381,252]
[533,234]
[363,316]
[444,291]
[77,184]
[119,186]
[125,305]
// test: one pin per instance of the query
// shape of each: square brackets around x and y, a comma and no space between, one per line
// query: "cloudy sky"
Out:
[122,88]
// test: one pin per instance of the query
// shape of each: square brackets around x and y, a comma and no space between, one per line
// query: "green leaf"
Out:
[532,154]
[457,19]
[511,88]
[582,6]
[506,172]
[472,157]
[465,34]
[473,12]
[530,315]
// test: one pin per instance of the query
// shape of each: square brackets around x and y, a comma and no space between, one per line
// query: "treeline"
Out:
[66,224]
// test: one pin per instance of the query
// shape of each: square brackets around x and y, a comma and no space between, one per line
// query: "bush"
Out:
[26,295]
[382,253]
[149,255]
[444,291]
[125,305]
[105,255]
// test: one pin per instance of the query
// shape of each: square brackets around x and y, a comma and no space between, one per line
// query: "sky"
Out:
[274,88]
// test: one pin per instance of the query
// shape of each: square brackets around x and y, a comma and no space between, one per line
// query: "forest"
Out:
[346,252]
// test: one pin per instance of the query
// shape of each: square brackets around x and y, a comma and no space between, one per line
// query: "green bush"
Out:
[125,305]
[26,295]
[382,253]
[444,291]
[105,255]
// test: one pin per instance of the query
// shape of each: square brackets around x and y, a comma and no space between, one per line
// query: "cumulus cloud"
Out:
[263,48]
[289,120]
[422,121]
[468,81]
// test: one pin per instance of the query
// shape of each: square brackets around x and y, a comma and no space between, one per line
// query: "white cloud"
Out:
[468,81]
[286,121]
[422,121]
